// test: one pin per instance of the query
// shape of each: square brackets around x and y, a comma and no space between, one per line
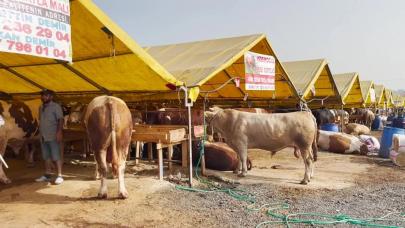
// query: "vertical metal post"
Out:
[190,130]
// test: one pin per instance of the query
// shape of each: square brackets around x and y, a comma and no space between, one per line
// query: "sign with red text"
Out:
[36,27]
[259,71]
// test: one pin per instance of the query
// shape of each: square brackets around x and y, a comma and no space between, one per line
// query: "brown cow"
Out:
[20,127]
[109,127]
[368,118]
[342,143]
[363,116]
[356,129]
[272,132]
[219,156]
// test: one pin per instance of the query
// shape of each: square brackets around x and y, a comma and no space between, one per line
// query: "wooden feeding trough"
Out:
[76,132]
[165,136]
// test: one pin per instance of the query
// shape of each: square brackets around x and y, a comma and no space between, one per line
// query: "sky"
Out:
[364,36]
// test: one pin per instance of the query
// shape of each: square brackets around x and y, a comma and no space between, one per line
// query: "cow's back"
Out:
[281,129]
[102,115]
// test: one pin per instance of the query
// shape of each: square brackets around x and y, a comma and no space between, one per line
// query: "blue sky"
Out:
[366,36]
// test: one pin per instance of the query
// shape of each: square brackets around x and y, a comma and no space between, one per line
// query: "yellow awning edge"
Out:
[105,61]
[209,64]
[349,88]
[314,81]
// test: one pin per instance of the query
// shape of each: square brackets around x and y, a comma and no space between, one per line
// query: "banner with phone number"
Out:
[36,27]
[259,71]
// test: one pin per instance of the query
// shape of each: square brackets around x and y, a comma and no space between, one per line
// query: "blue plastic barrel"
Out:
[330,127]
[386,140]
[376,123]
[399,122]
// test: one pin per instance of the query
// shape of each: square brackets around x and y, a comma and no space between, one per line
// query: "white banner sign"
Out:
[36,27]
[259,71]
[372,95]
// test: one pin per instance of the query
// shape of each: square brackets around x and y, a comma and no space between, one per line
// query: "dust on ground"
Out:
[358,186]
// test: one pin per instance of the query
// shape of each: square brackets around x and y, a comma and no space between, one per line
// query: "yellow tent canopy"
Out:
[398,100]
[209,64]
[313,81]
[368,90]
[105,61]
[380,96]
[349,88]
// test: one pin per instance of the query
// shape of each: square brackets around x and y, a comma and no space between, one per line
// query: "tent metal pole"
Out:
[190,149]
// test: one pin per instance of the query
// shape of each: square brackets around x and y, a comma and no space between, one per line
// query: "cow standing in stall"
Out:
[272,132]
[368,118]
[20,128]
[342,115]
[363,116]
[108,124]
[74,114]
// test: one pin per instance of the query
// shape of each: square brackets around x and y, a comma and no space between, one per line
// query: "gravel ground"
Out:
[373,197]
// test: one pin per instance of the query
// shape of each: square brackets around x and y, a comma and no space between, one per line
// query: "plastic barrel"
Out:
[376,123]
[330,127]
[398,122]
[386,140]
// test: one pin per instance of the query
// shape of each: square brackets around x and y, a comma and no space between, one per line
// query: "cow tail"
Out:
[114,156]
[314,143]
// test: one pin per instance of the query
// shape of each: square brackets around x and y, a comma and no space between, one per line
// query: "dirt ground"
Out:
[358,186]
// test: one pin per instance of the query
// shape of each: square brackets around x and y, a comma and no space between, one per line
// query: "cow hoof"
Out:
[102,195]
[236,171]
[242,174]
[123,195]
[304,182]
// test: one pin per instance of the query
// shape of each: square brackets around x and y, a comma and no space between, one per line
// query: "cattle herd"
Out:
[109,122]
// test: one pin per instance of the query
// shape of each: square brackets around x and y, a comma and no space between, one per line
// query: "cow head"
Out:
[210,116]
[364,149]
[24,119]
[213,111]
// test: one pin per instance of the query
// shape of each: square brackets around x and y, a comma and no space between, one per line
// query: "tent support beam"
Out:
[21,76]
[75,61]
[84,77]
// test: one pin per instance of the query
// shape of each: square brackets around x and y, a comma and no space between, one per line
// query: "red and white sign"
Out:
[36,27]
[259,71]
